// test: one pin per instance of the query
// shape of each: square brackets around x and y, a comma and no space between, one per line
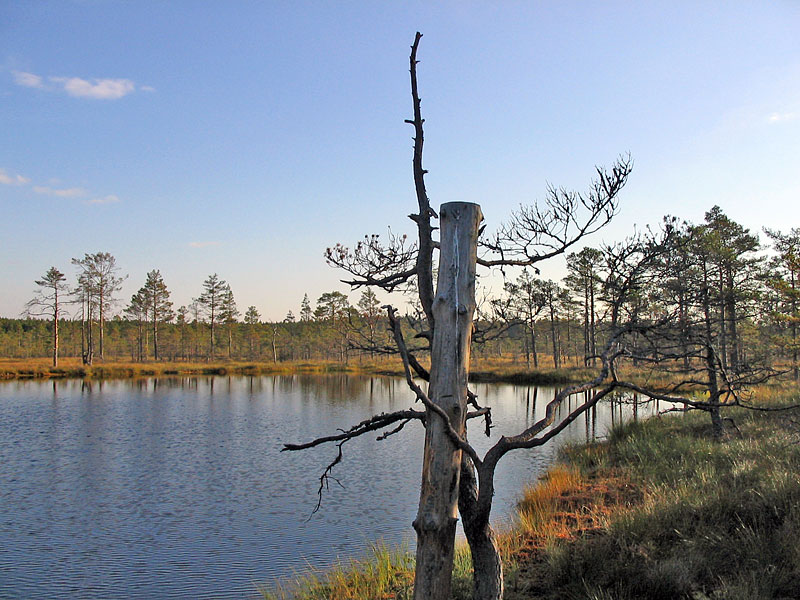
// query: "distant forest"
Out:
[719,277]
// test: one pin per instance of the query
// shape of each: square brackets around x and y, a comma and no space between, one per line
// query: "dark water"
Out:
[175,488]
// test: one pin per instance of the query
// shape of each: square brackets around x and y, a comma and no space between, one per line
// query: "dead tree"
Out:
[455,479]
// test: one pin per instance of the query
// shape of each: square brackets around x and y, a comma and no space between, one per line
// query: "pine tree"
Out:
[159,307]
[305,309]
[214,290]
[46,302]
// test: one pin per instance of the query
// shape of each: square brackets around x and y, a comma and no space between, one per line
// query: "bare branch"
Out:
[424,266]
[374,423]
[457,440]
[374,264]
[535,233]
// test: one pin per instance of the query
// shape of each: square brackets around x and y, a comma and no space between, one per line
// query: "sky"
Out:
[243,138]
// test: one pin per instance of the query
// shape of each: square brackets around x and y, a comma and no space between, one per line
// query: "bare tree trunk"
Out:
[453,309]
[533,344]
[795,371]
[730,301]
[711,367]
[586,343]
[83,334]
[487,566]
[155,338]
[593,330]
[723,329]
[554,333]
[101,315]
[55,327]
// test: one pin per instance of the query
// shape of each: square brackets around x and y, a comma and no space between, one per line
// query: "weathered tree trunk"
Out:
[453,310]
[487,566]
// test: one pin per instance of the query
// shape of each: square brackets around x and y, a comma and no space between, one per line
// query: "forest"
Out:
[716,279]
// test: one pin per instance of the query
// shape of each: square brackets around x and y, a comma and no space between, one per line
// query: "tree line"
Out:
[749,306]
[89,321]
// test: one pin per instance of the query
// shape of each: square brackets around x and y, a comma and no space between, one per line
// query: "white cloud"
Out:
[77,87]
[203,244]
[28,79]
[777,117]
[100,89]
[61,193]
[110,199]
[7,179]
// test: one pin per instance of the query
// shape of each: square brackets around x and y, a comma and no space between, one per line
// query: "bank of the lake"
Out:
[505,370]
[658,510]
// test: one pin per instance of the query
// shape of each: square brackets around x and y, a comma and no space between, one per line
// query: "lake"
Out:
[176,487]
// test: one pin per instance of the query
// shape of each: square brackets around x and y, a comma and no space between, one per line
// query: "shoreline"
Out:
[481,371]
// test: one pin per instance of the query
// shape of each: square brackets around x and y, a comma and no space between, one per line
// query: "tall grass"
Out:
[536,510]
[382,574]
[717,520]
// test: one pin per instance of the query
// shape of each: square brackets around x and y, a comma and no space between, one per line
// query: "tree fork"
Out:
[453,309]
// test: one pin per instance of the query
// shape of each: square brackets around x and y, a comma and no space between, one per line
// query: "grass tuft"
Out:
[383,574]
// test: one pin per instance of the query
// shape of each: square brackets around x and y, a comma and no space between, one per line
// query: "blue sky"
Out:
[243,138]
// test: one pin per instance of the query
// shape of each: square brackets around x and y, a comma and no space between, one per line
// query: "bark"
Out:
[593,329]
[554,333]
[55,326]
[101,322]
[453,310]
[711,367]
[795,371]
[734,350]
[533,344]
[487,583]
[155,335]
[586,344]
[424,266]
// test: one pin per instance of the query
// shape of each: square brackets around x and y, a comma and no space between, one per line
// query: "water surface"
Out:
[176,487]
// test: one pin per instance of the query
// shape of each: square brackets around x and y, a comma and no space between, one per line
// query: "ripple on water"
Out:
[177,489]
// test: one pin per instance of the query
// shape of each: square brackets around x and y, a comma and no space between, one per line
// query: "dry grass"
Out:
[383,574]
[72,367]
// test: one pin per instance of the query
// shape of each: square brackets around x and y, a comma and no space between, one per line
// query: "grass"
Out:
[484,370]
[714,520]
[383,573]
[41,368]
[656,511]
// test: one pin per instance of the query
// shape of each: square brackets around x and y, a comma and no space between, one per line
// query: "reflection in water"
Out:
[176,487]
